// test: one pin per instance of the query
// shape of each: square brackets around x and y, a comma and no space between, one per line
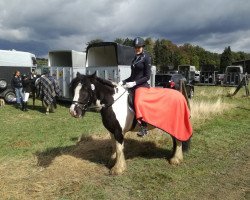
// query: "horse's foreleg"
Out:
[113,146]
[120,165]
[177,152]
[33,98]
[46,107]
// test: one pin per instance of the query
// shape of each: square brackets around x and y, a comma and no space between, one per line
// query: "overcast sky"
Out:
[39,26]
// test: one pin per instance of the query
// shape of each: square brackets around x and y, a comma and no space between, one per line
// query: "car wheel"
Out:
[10,97]
[3,84]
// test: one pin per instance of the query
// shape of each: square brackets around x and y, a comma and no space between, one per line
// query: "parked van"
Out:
[208,75]
[10,61]
[188,71]
[233,75]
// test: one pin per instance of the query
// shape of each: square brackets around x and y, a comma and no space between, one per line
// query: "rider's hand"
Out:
[121,83]
[130,84]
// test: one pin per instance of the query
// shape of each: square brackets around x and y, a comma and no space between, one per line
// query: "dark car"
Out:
[173,81]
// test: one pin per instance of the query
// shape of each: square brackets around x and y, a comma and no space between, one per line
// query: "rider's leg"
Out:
[143,129]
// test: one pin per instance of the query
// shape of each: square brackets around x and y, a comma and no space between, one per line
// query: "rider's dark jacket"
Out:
[140,71]
[16,82]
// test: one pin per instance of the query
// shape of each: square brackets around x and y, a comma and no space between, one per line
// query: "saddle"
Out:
[131,107]
[131,101]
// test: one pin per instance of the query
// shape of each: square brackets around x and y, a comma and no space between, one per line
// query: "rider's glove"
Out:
[121,83]
[130,84]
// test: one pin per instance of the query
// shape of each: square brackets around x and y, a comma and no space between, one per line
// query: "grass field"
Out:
[41,158]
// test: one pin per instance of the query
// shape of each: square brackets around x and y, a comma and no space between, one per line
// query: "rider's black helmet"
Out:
[138,42]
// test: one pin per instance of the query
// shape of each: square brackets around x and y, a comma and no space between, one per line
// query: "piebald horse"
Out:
[117,117]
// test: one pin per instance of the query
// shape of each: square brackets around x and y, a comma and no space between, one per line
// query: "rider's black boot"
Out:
[143,130]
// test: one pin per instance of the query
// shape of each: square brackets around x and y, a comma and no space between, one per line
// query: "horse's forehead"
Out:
[78,87]
[77,92]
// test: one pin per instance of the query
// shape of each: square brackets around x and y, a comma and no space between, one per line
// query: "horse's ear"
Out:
[93,75]
[78,74]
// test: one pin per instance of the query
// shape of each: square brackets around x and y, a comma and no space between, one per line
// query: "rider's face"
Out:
[138,50]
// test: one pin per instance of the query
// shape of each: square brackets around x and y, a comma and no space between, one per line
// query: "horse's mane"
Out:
[105,82]
[108,84]
[105,85]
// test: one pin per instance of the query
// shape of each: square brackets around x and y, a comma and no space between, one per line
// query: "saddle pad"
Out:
[165,109]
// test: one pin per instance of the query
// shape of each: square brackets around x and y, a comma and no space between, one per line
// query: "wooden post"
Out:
[184,92]
[244,82]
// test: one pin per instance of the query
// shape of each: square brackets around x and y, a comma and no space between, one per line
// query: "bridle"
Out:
[85,106]
[81,105]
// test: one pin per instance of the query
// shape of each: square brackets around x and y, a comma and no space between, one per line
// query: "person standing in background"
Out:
[17,85]
[26,81]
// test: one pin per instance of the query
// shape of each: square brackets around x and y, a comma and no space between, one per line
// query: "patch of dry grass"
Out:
[23,179]
[205,109]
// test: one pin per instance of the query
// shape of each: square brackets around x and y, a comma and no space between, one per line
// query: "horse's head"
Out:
[81,89]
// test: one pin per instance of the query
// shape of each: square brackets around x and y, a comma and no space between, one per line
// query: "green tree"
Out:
[42,61]
[119,40]
[149,47]
[128,42]
[94,41]
[226,59]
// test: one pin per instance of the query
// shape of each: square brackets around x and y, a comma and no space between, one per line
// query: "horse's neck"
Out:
[103,93]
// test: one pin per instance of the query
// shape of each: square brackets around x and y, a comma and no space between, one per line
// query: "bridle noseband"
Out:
[82,106]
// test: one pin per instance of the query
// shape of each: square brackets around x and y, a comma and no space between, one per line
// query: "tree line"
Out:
[166,55]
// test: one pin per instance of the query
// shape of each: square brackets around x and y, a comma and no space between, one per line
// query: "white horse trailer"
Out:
[64,64]
[11,61]
[111,61]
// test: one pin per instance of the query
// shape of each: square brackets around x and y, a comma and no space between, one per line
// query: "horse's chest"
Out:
[109,119]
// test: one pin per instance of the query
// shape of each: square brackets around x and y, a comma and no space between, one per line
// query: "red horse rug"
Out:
[165,109]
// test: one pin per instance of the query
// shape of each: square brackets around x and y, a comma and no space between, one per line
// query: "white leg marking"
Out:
[47,110]
[113,145]
[178,154]
[120,165]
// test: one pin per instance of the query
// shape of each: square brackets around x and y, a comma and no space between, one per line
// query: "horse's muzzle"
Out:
[74,111]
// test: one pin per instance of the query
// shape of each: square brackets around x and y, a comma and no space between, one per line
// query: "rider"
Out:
[140,74]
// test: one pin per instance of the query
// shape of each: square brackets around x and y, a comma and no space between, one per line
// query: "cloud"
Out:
[63,24]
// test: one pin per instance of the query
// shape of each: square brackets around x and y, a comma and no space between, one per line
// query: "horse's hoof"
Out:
[175,161]
[116,171]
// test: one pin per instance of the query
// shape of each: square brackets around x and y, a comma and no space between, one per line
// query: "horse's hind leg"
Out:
[33,98]
[177,152]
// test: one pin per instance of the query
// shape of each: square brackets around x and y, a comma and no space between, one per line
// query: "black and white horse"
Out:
[117,117]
